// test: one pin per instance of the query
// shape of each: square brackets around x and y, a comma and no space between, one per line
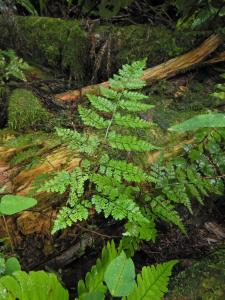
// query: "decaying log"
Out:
[22,179]
[165,70]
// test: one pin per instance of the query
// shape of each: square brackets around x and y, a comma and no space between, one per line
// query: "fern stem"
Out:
[111,121]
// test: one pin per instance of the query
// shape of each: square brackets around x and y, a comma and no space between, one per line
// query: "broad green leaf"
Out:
[120,276]
[2,266]
[10,285]
[97,295]
[11,204]
[201,121]
[32,286]
[12,265]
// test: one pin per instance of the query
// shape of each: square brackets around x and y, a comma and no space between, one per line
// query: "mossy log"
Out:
[165,70]
[77,47]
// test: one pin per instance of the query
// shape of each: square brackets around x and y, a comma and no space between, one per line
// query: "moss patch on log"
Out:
[203,280]
[26,112]
[49,41]
[64,44]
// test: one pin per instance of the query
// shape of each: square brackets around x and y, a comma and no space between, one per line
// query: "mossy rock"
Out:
[26,112]
[48,41]
[204,280]
[65,46]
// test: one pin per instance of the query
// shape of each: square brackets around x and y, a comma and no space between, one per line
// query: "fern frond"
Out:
[121,169]
[141,230]
[129,77]
[178,194]
[91,118]
[101,104]
[129,143]
[152,282]
[166,211]
[108,93]
[79,142]
[126,83]
[134,106]
[58,184]
[132,96]
[67,216]
[129,121]
[94,279]
[119,208]
[112,187]
[134,70]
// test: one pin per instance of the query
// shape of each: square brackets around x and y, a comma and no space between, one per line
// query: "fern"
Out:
[152,282]
[75,140]
[109,178]
[110,181]
[120,169]
[166,211]
[129,143]
[128,121]
[91,118]
[101,104]
[94,279]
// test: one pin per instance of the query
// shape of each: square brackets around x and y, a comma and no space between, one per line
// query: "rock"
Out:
[203,280]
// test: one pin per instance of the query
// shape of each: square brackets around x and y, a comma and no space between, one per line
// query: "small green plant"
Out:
[12,204]
[33,285]
[195,14]
[114,274]
[9,266]
[11,66]
[210,120]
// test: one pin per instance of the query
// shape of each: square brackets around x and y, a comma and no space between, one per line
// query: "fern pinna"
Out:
[113,176]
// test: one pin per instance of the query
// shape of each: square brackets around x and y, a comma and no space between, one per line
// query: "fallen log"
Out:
[165,70]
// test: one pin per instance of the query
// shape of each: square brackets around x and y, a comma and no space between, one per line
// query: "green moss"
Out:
[156,43]
[25,111]
[63,44]
[49,41]
[203,280]
[6,135]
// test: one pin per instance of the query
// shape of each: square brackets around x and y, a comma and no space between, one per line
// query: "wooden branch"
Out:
[164,70]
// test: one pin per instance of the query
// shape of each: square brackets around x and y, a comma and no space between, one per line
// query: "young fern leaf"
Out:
[129,143]
[152,282]
[91,118]
[129,77]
